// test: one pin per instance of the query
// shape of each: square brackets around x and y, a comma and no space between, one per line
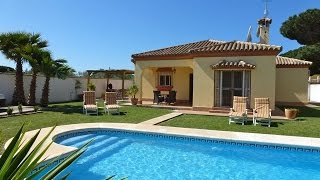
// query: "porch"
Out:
[161,81]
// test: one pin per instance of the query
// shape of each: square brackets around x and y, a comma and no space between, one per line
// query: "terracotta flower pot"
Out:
[134,101]
[291,113]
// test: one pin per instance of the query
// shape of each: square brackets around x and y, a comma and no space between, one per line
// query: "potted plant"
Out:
[20,108]
[9,111]
[91,86]
[132,91]
[36,108]
[291,113]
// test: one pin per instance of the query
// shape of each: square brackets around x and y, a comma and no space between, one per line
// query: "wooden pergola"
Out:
[109,73]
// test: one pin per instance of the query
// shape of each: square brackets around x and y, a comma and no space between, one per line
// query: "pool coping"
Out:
[58,149]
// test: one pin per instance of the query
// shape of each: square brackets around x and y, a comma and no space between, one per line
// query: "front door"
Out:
[229,84]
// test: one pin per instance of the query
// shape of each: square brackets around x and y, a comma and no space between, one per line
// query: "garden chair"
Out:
[171,98]
[238,112]
[262,111]
[157,98]
[89,102]
[110,103]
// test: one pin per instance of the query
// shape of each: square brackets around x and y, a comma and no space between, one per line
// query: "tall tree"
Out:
[310,53]
[35,58]
[53,68]
[305,29]
[12,45]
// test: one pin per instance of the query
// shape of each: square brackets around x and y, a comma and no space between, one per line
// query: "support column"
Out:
[138,72]
[122,91]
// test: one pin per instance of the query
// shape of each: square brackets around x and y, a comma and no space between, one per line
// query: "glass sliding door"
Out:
[231,83]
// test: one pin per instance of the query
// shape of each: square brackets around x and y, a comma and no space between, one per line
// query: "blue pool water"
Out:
[144,156]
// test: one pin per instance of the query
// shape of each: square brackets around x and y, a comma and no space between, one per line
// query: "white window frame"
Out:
[166,75]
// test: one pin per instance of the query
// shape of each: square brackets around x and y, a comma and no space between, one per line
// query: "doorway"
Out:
[231,83]
[190,88]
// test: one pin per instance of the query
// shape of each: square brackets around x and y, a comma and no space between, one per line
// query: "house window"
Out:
[164,80]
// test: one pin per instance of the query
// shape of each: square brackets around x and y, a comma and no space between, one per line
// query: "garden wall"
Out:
[314,93]
[60,90]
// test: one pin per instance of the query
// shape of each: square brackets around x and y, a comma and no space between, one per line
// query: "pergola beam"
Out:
[122,72]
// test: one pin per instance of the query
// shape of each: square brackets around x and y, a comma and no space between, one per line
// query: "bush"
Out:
[10,111]
[20,108]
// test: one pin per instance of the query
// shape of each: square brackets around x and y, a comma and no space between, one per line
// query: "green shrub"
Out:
[20,108]
[10,111]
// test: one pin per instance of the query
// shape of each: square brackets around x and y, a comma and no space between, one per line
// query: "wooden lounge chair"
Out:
[262,111]
[89,102]
[238,112]
[110,102]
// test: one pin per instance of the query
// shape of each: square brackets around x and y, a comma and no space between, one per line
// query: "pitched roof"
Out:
[285,62]
[209,46]
[224,64]
[237,46]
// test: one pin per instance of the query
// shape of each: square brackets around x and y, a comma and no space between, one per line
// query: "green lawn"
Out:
[71,113]
[307,124]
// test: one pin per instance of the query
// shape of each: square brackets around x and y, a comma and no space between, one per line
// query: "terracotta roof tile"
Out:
[232,64]
[285,61]
[216,46]
[236,46]
[178,50]
[208,46]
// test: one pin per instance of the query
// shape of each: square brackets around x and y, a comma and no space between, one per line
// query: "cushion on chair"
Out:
[262,107]
[233,113]
[90,106]
[113,106]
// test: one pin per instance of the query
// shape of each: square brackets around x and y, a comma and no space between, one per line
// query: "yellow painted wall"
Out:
[262,79]
[148,83]
[181,82]
[292,85]
[203,82]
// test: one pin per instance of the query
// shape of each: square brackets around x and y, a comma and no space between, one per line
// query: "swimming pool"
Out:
[138,155]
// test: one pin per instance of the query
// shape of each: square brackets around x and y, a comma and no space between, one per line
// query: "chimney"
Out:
[264,25]
[263,30]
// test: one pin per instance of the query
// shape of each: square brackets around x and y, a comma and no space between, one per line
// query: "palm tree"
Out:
[53,68]
[35,57]
[12,45]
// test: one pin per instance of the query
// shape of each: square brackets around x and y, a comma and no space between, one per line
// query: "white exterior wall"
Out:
[60,90]
[314,93]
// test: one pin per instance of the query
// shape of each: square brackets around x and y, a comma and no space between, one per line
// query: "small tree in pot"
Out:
[132,91]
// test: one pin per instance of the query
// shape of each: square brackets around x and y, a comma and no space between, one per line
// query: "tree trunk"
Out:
[18,93]
[32,92]
[45,93]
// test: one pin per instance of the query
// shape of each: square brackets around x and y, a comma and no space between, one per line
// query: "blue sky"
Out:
[101,34]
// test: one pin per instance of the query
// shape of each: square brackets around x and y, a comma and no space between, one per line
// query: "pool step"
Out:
[93,153]
[76,141]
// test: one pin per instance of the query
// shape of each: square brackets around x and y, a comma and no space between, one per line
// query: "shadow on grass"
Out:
[65,109]
[305,111]
[273,124]
[72,109]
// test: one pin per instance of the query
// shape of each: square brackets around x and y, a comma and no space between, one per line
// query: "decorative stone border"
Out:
[58,138]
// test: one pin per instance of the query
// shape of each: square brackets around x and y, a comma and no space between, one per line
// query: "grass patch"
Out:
[307,124]
[71,113]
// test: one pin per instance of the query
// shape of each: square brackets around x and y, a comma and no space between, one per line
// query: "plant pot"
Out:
[291,113]
[134,101]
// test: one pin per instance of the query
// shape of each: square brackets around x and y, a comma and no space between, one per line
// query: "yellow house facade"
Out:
[207,74]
